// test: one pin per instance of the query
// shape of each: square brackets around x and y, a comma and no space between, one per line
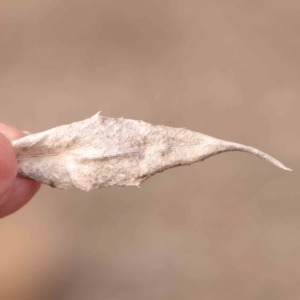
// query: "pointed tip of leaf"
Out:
[239,147]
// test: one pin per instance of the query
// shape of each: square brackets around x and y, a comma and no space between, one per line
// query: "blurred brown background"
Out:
[227,228]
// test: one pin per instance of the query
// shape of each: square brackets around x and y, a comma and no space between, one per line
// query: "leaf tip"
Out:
[239,147]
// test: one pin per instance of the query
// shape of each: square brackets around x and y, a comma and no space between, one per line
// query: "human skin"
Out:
[15,191]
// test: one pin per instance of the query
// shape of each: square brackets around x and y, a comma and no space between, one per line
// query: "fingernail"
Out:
[5,134]
[26,132]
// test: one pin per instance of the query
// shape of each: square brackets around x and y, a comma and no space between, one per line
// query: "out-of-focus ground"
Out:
[227,228]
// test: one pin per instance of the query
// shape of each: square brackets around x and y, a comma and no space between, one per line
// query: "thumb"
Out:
[8,167]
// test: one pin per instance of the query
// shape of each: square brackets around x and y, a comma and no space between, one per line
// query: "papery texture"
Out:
[102,152]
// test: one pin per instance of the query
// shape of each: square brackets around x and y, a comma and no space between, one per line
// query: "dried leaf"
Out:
[101,152]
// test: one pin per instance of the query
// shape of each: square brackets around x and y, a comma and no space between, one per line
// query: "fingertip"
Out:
[23,190]
[8,167]
[11,132]
[15,191]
